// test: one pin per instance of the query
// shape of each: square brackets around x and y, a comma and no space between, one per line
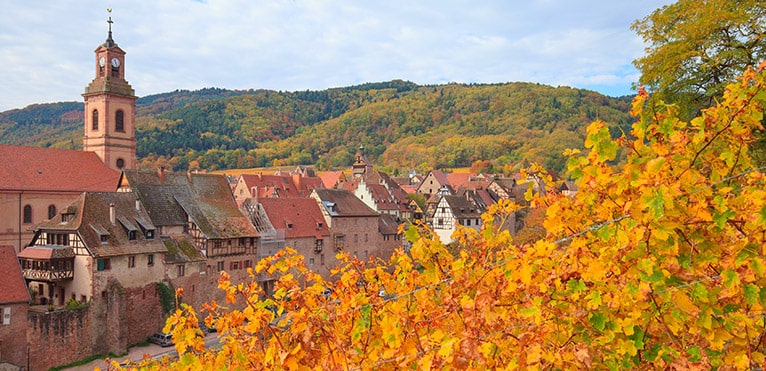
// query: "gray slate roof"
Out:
[205,198]
[91,220]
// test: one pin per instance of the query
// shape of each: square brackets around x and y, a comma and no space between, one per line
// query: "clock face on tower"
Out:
[115,62]
[102,62]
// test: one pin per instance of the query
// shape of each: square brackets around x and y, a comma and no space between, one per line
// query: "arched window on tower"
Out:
[27,214]
[119,121]
[95,120]
[120,163]
[51,211]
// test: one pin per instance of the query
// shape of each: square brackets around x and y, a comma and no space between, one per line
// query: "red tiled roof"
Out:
[383,199]
[440,177]
[344,203]
[303,213]
[331,178]
[457,180]
[282,185]
[46,253]
[409,188]
[13,288]
[50,169]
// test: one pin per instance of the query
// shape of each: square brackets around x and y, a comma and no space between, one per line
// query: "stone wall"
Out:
[60,337]
[144,313]
[118,318]
[13,337]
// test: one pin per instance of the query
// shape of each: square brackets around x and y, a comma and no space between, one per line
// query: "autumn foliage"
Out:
[656,264]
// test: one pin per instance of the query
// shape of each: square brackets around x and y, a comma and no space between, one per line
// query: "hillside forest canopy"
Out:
[402,126]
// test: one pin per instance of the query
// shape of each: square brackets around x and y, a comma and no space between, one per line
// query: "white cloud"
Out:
[46,49]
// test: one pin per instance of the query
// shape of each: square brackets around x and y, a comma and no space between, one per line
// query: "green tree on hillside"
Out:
[697,47]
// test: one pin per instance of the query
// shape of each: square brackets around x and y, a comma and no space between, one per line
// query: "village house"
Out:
[377,197]
[259,185]
[304,228]
[331,179]
[452,211]
[354,225]
[433,182]
[14,305]
[101,245]
[197,212]
[35,183]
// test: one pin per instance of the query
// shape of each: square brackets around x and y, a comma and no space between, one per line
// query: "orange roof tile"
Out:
[331,178]
[50,169]
[13,288]
[303,213]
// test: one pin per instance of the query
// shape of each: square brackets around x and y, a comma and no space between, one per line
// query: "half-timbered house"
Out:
[453,211]
[99,238]
[197,212]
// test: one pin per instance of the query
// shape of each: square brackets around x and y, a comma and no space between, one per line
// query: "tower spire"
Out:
[109,41]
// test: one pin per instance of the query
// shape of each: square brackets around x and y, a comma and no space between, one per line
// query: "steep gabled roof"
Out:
[205,198]
[294,185]
[332,178]
[213,209]
[298,217]
[396,191]
[181,249]
[440,177]
[49,169]
[340,202]
[457,180]
[156,192]
[91,221]
[13,288]
[388,225]
[383,200]
[461,207]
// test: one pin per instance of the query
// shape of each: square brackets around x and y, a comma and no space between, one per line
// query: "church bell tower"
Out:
[110,109]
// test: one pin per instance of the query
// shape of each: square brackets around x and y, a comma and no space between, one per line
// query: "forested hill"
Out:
[401,125]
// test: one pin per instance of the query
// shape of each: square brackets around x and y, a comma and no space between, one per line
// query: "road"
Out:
[137,354]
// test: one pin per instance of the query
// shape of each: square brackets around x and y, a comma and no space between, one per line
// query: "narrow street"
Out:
[137,354]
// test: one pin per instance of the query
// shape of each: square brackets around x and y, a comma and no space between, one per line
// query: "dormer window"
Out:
[289,225]
[129,228]
[146,228]
[102,233]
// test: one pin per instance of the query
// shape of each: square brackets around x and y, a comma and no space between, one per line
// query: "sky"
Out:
[46,47]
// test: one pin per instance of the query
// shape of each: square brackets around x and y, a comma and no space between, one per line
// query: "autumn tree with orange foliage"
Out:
[656,264]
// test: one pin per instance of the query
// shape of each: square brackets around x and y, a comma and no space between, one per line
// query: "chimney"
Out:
[112,215]
[161,173]
[138,205]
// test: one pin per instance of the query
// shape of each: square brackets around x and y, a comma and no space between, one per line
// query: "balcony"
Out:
[47,263]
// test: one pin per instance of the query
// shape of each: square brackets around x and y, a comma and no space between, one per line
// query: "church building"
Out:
[110,109]
[37,183]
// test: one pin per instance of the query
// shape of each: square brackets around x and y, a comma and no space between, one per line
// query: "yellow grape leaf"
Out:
[446,347]
[685,304]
